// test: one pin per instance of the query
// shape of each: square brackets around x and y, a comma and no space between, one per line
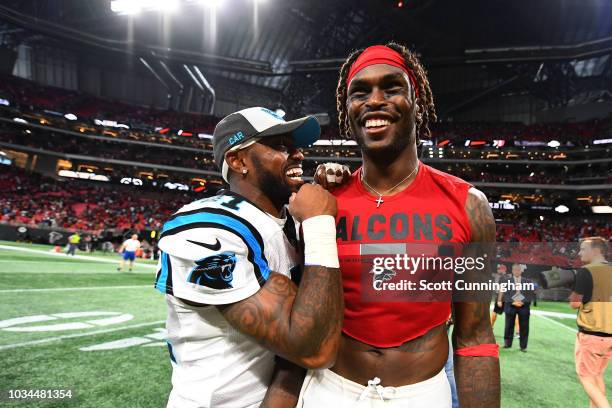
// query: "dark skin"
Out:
[302,324]
[384,93]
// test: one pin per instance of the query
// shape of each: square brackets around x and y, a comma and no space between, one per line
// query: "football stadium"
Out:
[162,242]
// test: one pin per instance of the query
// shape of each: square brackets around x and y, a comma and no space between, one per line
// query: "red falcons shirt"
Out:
[431,211]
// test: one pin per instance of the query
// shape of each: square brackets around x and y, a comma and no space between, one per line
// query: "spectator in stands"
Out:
[128,250]
[591,296]
[73,243]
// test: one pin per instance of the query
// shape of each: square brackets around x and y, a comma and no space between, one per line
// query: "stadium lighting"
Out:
[70,116]
[554,143]
[4,102]
[562,209]
[212,4]
[19,120]
[82,175]
[601,209]
[130,7]
[126,6]
[165,5]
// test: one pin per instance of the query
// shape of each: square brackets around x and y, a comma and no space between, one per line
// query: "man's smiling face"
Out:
[381,109]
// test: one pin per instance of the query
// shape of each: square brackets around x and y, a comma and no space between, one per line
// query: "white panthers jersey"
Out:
[217,251]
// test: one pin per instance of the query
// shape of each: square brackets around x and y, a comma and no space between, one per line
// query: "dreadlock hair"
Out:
[425,103]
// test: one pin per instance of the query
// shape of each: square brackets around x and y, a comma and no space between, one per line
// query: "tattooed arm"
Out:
[284,390]
[300,324]
[478,378]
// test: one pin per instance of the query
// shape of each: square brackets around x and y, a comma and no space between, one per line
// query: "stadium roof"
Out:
[286,45]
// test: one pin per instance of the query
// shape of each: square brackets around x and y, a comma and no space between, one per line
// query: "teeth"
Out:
[295,173]
[376,123]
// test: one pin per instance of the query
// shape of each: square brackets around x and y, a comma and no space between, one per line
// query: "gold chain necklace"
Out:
[379,201]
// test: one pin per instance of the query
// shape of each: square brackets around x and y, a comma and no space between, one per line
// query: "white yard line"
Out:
[83,257]
[557,323]
[551,314]
[554,314]
[75,289]
[72,336]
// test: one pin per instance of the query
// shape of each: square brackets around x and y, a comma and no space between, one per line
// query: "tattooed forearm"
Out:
[318,308]
[477,381]
[302,325]
[284,390]
[478,378]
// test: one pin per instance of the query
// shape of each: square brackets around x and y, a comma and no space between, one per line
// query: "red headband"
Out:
[380,54]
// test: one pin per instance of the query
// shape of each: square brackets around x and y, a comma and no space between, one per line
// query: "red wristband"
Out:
[481,350]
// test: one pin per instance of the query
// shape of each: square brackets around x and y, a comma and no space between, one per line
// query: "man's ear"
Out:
[235,160]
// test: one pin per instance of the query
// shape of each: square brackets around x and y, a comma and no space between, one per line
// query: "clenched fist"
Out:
[332,175]
[312,200]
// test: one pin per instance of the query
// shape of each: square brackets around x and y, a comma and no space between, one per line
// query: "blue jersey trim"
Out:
[216,218]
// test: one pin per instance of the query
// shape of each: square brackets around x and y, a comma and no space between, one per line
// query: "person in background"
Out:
[591,296]
[95,240]
[73,243]
[517,302]
[128,250]
[87,240]
[497,277]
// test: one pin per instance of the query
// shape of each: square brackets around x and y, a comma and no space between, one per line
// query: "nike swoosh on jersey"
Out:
[213,247]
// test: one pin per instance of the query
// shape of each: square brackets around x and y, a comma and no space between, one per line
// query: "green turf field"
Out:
[115,356]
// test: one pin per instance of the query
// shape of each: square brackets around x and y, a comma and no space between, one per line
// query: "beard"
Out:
[274,187]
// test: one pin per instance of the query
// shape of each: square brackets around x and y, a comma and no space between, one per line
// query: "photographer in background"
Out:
[591,296]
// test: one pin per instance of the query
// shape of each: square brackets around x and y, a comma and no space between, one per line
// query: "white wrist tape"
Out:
[320,241]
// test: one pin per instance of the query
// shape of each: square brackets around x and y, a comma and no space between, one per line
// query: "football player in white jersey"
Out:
[229,264]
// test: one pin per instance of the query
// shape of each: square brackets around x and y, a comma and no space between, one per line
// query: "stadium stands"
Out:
[36,200]
[31,199]
[162,126]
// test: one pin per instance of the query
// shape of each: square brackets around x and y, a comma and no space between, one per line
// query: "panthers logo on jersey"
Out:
[214,271]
